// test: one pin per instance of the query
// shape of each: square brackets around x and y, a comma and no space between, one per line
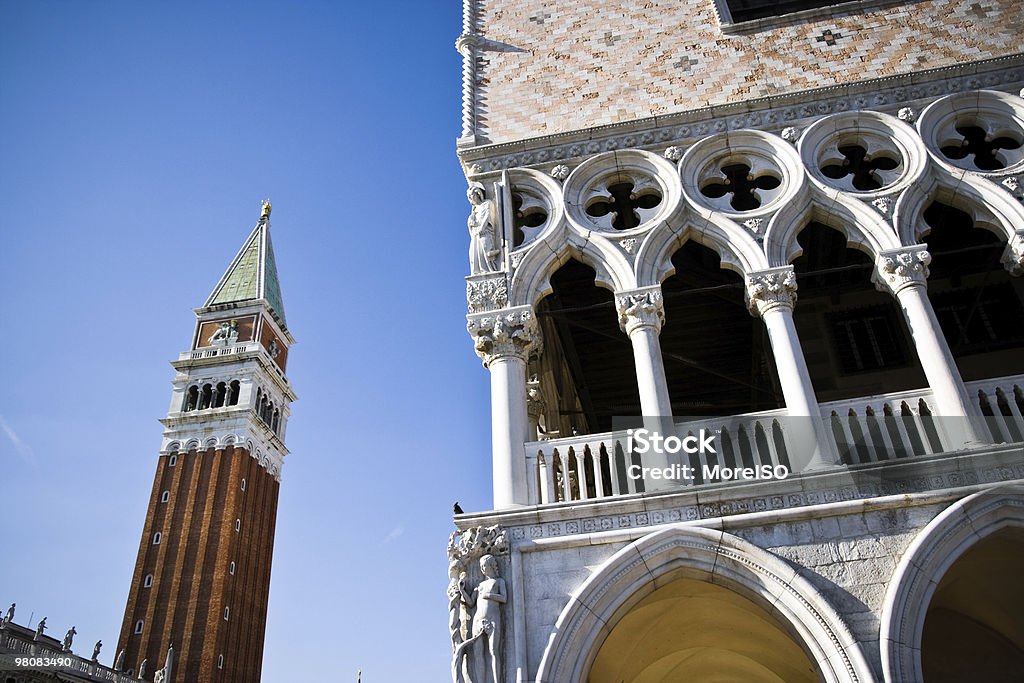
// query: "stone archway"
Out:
[971,533]
[763,584]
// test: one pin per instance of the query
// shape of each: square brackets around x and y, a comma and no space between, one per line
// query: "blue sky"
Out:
[136,142]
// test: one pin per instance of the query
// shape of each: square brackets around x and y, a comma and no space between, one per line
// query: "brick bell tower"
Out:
[202,577]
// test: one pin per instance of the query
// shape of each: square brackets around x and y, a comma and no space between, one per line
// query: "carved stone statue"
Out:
[68,638]
[226,334]
[9,617]
[265,209]
[96,650]
[456,586]
[484,247]
[40,628]
[485,641]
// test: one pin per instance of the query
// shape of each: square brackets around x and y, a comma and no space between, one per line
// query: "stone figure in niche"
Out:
[273,349]
[68,638]
[40,628]
[226,334]
[484,248]
[456,610]
[484,643]
[96,650]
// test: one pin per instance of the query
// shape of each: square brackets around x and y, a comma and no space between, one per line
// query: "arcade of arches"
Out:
[717,357]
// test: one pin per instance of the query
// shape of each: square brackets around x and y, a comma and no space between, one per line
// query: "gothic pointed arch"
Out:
[863,228]
[711,555]
[735,245]
[947,538]
[532,279]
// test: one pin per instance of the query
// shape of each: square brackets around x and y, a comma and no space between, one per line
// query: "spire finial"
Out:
[265,209]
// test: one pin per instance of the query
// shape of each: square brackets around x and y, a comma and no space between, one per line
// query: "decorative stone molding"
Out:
[899,268]
[1013,185]
[790,134]
[638,308]
[769,289]
[535,403]
[1013,255]
[674,153]
[507,332]
[629,245]
[486,293]
[770,114]
[991,117]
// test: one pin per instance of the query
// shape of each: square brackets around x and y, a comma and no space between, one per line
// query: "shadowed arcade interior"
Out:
[973,629]
[691,630]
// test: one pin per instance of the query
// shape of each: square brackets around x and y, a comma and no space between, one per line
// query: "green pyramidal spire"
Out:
[252,274]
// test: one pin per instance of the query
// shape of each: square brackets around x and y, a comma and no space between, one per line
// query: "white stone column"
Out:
[771,295]
[504,340]
[904,274]
[641,316]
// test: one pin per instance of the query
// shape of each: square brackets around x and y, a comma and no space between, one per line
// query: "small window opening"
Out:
[238,525]
[165,496]
[156,538]
[172,461]
[231,568]
[138,626]
[227,613]
[243,483]
[220,661]
[148,581]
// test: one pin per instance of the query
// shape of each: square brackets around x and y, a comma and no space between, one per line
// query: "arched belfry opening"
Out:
[717,356]
[587,361]
[853,336]
[691,630]
[977,302]
[972,629]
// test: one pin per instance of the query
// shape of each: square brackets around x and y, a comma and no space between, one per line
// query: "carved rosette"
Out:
[506,332]
[640,308]
[770,289]
[486,293]
[900,268]
[1013,255]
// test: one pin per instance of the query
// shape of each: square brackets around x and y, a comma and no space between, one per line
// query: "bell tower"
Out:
[202,577]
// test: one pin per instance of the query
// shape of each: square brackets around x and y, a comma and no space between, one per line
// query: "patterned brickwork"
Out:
[546,67]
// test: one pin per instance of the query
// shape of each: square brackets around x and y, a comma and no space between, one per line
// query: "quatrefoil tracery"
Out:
[529,214]
[987,146]
[749,189]
[624,204]
[862,167]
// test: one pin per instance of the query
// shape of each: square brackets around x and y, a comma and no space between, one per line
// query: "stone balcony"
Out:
[860,436]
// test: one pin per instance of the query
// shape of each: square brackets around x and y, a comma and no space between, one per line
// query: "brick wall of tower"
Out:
[556,67]
[192,583]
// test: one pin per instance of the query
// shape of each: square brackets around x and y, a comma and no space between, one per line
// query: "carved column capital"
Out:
[897,269]
[1013,255]
[506,332]
[770,289]
[643,307]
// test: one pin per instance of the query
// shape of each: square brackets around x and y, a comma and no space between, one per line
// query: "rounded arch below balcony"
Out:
[971,533]
[741,578]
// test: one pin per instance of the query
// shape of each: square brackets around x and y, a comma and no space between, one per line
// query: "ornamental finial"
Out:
[265,208]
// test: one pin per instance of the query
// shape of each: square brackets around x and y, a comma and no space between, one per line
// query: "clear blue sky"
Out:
[136,142]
